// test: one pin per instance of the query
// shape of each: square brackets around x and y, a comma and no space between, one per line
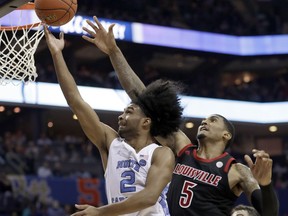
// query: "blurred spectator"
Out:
[2,154]
[74,157]
[55,209]
[58,170]
[31,210]
[32,150]
[44,171]
[5,188]
[89,157]
[44,140]
[50,155]
[15,161]
[8,203]
[31,156]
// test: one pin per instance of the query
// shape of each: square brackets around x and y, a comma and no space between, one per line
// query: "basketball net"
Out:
[17,48]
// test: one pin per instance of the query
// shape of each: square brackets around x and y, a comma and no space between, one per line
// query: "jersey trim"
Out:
[184,149]
[228,164]
[208,160]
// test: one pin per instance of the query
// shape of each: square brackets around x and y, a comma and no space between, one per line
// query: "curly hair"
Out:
[160,102]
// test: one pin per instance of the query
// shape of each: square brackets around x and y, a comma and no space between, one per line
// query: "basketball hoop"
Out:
[18,44]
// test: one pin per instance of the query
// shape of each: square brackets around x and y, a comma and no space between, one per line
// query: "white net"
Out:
[17,49]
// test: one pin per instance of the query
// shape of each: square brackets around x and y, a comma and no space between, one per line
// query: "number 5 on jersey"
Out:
[186,194]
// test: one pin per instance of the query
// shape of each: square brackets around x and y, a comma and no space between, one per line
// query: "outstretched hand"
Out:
[55,45]
[86,210]
[262,168]
[104,40]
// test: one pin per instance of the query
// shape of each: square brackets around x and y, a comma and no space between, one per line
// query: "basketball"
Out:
[55,12]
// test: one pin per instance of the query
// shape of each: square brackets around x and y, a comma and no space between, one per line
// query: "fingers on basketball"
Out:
[55,12]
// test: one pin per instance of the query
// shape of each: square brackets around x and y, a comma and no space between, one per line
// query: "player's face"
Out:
[130,121]
[212,127]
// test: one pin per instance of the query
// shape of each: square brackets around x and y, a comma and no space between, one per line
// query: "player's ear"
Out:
[147,121]
[227,135]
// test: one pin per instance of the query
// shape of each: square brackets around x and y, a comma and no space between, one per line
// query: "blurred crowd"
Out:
[269,88]
[62,157]
[219,16]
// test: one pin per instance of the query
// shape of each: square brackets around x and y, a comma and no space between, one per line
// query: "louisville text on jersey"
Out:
[197,174]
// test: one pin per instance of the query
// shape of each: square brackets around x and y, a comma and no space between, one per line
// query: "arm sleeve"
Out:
[270,201]
[256,200]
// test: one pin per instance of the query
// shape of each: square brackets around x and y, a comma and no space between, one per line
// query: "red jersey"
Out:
[200,187]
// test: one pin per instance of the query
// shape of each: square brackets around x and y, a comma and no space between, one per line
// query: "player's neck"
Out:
[209,151]
[140,142]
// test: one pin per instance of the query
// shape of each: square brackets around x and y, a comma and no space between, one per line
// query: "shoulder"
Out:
[117,142]
[163,150]
[238,169]
[240,172]
[166,149]
[163,154]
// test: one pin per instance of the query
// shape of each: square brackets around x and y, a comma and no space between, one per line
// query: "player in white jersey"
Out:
[154,111]
[134,167]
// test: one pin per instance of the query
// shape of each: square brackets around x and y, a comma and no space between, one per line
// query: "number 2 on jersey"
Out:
[186,194]
[126,185]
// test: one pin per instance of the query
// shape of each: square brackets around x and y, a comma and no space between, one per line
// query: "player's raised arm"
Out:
[105,41]
[262,172]
[89,120]
[246,183]
[129,80]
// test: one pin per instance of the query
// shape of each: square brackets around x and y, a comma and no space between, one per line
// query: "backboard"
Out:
[6,6]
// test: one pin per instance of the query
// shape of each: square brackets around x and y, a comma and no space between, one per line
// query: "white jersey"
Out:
[126,174]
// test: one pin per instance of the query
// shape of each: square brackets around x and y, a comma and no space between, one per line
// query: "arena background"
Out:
[37,137]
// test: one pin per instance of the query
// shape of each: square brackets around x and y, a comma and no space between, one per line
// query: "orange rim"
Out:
[12,28]
[27,6]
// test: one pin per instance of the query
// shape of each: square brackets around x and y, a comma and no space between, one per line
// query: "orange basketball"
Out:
[55,12]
